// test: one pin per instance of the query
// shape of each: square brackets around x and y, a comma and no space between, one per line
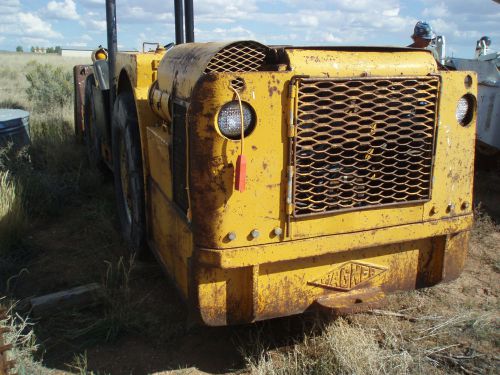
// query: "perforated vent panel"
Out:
[363,143]
[238,57]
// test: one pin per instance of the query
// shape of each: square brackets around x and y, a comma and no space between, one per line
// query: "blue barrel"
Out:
[14,127]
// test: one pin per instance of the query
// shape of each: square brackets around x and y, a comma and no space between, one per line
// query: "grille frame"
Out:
[295,82]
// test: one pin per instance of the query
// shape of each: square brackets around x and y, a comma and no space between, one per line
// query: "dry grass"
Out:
[21,336]
[37,182]
[13,82]
[12,215]
[449,329]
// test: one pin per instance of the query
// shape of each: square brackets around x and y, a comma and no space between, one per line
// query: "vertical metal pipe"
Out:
[189,20]
[112,48]
[179,20]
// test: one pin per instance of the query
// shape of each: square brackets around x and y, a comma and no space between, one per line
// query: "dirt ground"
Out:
[142,328]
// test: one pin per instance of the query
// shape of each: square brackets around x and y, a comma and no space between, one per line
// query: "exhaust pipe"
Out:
[189,20]
[112,48]
[179,29]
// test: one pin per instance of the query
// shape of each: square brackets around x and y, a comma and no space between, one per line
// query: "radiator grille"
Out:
[238,57]
[363,143]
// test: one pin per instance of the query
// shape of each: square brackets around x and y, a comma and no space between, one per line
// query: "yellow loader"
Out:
[271,180]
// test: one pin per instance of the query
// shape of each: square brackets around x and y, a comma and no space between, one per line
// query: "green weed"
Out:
[49,86]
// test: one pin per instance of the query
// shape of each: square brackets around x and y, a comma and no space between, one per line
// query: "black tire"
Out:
[91,133]
[128,175]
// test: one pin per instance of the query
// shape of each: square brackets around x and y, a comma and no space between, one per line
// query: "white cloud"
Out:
[9,6]
[437,10]
[297,22]
[33,25]
[139,14]
[93,2]
[35,41]
[221,34]
[330,38]
[391,12]
[97,25]
[307,20]
[62,10]
[77,44]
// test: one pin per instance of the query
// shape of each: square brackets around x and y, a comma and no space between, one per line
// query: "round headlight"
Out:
[229,119]
[465,109]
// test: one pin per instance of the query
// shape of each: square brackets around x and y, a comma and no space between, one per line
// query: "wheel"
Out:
[91,132]
[128,175]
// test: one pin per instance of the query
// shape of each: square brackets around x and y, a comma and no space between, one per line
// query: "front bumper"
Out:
[242,285]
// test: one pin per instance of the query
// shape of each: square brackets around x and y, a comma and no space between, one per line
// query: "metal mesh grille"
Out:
[363,143]
[238,57]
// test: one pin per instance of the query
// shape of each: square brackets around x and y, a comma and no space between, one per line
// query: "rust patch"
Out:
[354,302]
[80,74]
[273,90]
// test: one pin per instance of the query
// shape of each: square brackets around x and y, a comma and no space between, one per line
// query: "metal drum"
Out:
[14,127]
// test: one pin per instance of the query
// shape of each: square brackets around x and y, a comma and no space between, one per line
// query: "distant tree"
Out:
[19,49]
[57,50]
[50,50]
[32,49]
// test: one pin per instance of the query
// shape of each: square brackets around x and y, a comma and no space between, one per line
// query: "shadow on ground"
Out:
[141,325]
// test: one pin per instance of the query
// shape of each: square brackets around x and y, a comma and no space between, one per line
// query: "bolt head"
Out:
[278,231]
[255,233]
[231,236]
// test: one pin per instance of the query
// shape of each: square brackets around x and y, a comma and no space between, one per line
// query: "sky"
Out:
[81,23]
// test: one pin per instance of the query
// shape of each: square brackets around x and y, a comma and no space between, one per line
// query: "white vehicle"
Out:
[486,64]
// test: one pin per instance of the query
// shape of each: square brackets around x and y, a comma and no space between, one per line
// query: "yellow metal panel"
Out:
[159,159]
[262,206]
[360,63]
[338,280]
[189,60]
[454,159]
[291,286]
[252,255]
[171,237]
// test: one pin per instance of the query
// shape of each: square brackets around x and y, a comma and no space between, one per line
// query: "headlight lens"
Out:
[465,109]
[229,119]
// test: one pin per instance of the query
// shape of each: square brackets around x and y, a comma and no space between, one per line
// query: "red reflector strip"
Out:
[241,173]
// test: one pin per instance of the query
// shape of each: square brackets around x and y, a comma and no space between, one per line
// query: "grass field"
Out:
[58,230]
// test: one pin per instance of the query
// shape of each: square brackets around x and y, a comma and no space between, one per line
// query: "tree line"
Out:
[56,49]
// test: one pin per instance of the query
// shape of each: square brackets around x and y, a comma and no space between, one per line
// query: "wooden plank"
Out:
[78,297]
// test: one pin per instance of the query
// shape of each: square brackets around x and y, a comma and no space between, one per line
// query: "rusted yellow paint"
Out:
[372,252]
[304,248]
[361,63]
